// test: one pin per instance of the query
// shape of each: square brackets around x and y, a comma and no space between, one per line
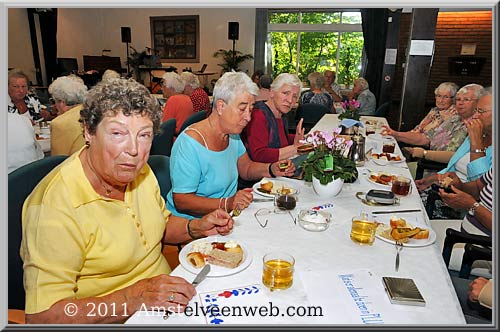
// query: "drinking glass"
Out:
[277,272]
[363,230]
[401,186]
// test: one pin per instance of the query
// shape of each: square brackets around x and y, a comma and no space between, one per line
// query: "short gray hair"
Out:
[18,73]
[485,92]
[68,89]
[286,78]
[119,94]
[232,84]
[109,74]
[476,88]
[316,80]
[174,81]
[447,86]
[362,82]
[190,79]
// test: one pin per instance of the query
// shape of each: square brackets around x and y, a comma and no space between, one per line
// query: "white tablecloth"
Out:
[331,271]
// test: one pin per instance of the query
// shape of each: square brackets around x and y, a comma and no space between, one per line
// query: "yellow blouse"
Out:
[78,244]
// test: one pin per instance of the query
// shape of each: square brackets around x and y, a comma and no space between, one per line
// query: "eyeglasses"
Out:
[444,97]
[465,100]
[52,101]
[480,110]
[264,213]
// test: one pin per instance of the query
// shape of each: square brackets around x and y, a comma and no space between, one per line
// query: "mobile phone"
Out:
[381,196]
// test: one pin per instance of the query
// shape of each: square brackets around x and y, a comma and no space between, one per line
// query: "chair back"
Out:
[161,168]
[22,181]
[162,142]
[383,109]
[311,113]
[193,118]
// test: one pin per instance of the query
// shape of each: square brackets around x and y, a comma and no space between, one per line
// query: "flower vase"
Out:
[328,190]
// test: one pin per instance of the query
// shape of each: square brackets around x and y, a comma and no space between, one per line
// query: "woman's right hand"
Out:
[452,175]
[387,131]
[241,200]
[164,291]
[425,183]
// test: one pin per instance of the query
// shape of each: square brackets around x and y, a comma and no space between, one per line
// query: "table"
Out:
[43,137]
[332,272]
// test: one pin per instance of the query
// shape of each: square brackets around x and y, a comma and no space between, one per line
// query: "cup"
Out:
[277,272]
[363,231]
[388,147]
[285,200]
[401,186]
[370,129]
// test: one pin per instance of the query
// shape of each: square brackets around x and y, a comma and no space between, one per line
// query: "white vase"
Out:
[328,190]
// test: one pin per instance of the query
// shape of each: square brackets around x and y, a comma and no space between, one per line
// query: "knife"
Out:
[260,200]
[199,278]
[395,211]
[202,275]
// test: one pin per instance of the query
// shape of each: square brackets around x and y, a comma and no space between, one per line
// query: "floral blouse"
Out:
[317,98]
[33,104]
[449,135]
[434,118]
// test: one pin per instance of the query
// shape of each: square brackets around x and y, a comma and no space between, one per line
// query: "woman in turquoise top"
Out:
[208,156]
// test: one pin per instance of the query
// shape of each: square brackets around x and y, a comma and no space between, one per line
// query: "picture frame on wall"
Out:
[176,38]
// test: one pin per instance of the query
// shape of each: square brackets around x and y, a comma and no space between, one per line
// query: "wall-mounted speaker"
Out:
[233,30]
[126,35]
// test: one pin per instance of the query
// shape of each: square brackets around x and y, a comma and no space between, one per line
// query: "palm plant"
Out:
[231,59]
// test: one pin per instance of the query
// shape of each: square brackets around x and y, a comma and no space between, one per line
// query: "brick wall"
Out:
[453,29]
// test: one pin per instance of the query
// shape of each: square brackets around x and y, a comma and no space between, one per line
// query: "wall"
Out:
[87,31]
[453,29]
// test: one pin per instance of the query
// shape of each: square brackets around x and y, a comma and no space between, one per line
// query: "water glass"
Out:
[277,272]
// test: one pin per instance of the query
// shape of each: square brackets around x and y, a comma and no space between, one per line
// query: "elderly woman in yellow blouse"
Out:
[93,228]
[68,93]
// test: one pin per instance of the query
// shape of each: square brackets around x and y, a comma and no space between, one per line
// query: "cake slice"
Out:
[225,258]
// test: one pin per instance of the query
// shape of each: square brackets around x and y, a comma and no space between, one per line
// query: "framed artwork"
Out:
[176,38]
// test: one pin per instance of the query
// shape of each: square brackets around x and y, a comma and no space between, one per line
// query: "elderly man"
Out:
[330,86]
[364,96]
[178,105]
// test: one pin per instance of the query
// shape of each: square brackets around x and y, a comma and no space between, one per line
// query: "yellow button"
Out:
[138,225]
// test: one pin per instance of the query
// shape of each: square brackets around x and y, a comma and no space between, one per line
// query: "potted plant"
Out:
[328,165]
[351,110]
[231,59]
[135,60]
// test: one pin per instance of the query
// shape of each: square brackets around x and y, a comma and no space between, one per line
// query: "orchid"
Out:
[351,110]
[329,158]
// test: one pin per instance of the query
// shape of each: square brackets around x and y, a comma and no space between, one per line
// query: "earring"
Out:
[87,143]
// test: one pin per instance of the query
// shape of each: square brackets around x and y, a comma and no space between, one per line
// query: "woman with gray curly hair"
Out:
[178,106]
[93,228]
[208,156]
[68,94]
[315,95]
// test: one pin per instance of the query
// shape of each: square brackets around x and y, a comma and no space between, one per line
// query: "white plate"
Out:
[276,185]
[215,270]
[414,221]
[368,177]
[384,162]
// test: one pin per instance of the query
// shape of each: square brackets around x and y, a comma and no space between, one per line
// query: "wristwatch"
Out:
[479,150]
[472,210]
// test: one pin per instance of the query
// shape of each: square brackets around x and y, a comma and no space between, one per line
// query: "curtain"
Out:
[48,31]
[374,22]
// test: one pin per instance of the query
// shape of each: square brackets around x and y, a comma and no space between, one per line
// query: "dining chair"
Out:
[383,109]
[162,142]
[196,117]
[311,113]
[160,165]
[21,183]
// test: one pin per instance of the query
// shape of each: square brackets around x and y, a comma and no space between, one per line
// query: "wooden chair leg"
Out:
[16,316]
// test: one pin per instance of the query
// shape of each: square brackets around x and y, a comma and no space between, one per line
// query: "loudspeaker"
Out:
[233,30]
[126,35]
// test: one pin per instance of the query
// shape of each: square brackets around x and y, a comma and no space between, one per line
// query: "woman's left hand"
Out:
[299,133]
[475,131]
[415,152]
[282,171]
[457,200]
[213,223]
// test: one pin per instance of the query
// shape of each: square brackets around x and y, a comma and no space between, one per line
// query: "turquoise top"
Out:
[196,169]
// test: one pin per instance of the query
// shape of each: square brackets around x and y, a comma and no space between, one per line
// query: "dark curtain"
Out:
[374,22]
[48,31]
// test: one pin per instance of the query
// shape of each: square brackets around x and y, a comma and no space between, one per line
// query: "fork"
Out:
[399,247]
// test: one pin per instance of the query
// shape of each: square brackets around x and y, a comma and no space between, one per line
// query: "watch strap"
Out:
[479,150]
[473,208]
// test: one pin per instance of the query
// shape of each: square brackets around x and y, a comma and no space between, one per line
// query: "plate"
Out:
[388,185]
[411,242]
[276,185]
[215,270]
[384,162]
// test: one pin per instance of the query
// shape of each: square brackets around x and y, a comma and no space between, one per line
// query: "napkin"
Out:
[348,123]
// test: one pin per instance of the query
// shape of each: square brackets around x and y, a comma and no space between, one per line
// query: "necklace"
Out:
[107,189]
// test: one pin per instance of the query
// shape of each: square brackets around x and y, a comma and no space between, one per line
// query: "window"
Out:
[305,41]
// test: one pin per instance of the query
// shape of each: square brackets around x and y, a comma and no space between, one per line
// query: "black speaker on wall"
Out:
[126,35]
[233,30]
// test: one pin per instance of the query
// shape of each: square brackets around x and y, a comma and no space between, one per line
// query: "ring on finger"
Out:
[171,297]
